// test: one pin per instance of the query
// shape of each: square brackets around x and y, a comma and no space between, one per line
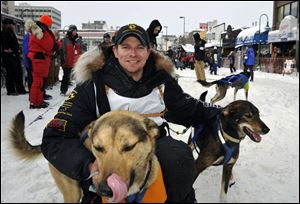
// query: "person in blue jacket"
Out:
[26,60]
[249,61]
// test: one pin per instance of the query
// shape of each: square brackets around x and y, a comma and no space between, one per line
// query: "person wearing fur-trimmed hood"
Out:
[41,46]
[130,76]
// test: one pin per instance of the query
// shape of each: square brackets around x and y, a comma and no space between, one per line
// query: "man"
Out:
[171,54]
[69,55]
[41,46]
[129,78]
[106,42]
[11,59]
[199,56]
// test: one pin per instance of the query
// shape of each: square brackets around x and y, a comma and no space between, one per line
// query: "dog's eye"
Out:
[248,115]
[128,148]
[99,149]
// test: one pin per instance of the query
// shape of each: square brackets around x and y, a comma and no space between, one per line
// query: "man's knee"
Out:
[178,167]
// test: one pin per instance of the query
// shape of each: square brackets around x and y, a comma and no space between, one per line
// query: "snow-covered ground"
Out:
[265,172]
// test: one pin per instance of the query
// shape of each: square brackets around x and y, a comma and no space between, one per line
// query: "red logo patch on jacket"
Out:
[57,124]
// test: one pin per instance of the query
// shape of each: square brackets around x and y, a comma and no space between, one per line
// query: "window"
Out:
[294,9]
[280,14]
[287,10]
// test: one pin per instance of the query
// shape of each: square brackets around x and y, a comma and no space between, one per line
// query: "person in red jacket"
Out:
[69,55]
[41,46]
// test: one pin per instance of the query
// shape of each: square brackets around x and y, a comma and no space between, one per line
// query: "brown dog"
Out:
[238,119]
[123,144]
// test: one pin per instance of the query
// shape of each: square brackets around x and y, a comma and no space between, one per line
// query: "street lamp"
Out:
[64,28]
[266,28]
[183,24]
[166,39]
[22,13]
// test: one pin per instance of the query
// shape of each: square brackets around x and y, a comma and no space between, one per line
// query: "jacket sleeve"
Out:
[61,144]
[185,110]
[63,52]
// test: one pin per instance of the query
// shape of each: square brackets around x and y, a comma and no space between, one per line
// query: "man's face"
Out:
[74,33]
[132,56]
[107,40]
[11,26]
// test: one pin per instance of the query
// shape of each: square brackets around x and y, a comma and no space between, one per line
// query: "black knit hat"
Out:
[72,27]
[106,35]
[132,30]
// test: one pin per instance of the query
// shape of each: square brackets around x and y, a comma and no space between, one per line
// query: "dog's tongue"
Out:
[118,187]
[253,136]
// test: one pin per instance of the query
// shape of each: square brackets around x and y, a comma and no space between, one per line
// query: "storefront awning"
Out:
[251,36]
[288,29]
[188,48]
[212,43]
[273,36]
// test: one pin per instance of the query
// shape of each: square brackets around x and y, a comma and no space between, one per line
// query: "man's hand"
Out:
[93,168]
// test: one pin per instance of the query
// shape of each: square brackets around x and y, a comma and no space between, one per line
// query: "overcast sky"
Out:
[237,14]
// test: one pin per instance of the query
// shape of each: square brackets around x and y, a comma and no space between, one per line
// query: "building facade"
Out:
[26,11]
[8,7]
[96,25]
[282,10]
[91,37]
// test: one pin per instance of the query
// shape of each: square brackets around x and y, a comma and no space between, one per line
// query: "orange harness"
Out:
[156,193]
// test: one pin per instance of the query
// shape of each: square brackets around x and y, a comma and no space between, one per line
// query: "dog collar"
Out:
[137,197]
[225,135]
[228,137]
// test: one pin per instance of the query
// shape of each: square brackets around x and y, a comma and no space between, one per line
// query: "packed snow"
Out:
[265,172]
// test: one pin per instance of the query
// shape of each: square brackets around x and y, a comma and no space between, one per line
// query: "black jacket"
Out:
[9,40]
[60,143]
[199,47]
[150,31]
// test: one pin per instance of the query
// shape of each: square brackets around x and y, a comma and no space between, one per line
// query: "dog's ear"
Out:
[229,109]
[203,96]
[226,111]
[152,128]
[89,128]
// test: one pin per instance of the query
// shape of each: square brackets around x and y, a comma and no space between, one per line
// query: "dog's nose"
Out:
[105,190]
[266,129]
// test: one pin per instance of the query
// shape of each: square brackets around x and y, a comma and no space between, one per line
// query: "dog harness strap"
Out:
[229,151]
[161,114]
[84,137]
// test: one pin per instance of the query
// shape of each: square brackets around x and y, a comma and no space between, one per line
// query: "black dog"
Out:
[236,120]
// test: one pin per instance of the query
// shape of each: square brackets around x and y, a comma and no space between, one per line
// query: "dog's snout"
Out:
[105,190]
[265,129]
